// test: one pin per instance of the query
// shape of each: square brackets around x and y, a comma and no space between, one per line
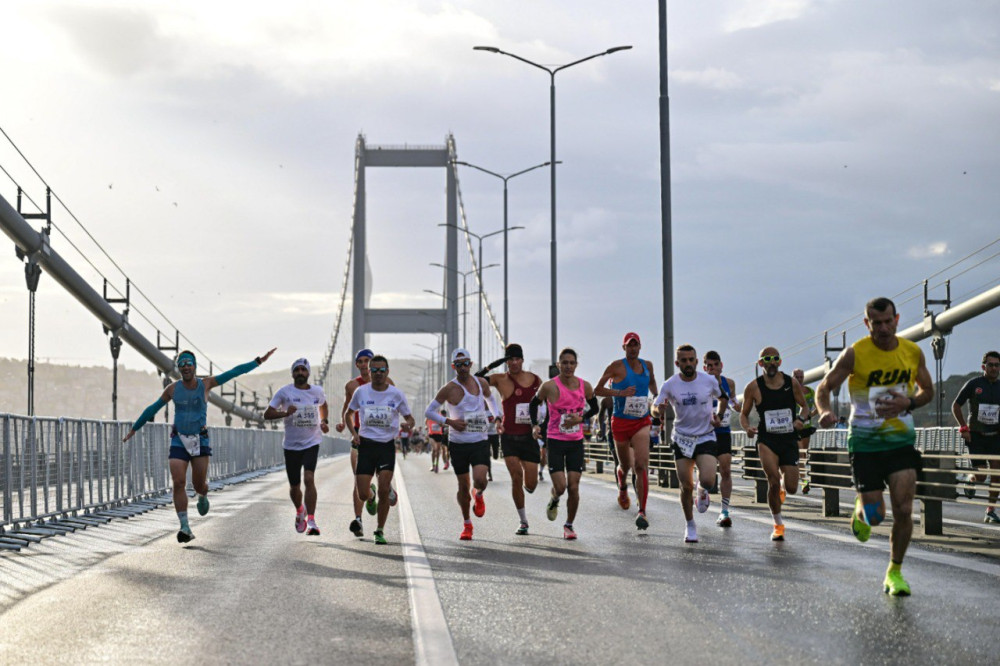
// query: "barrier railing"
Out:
[57,467]
[946,463]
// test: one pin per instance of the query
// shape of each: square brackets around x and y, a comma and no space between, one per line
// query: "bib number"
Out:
[636,406]
[378,417]
[989,414]
[521,414]
[192,444]
[779,421]
[878,396]
[685,444]
[306,417]
[568,429]
[477,422]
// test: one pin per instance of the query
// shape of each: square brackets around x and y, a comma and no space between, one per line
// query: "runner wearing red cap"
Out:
[632,384]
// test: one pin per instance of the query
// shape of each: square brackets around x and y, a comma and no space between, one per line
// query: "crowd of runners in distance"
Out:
[539,426]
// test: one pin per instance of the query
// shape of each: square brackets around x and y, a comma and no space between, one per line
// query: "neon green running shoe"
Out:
[552,510]
[371,504]
[860,527]
[380,538]
[895,585]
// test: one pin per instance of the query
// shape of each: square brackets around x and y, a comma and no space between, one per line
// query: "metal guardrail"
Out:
[827,464]
[59,468]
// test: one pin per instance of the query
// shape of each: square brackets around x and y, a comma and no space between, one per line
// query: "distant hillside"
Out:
[85,391]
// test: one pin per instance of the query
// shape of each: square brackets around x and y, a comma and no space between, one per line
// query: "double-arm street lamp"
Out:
[479,262]
[552,71]
[465,293]
[506,311]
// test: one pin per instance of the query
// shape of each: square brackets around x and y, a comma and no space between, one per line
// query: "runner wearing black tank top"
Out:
[775,396]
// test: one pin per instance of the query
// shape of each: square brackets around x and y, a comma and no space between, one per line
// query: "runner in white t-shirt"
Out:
[306,414]
[379,406]
[691,394]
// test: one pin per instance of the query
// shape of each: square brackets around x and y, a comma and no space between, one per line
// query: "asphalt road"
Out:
[250,589]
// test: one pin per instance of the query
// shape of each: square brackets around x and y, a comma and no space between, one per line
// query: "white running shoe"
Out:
[691,534]
[703,499]
[392,496]
[300,521]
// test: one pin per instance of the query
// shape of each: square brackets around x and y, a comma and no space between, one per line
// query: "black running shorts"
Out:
[565,456]
[786,448]
[469,454]
[375,456]
[296,460]
[524,447]
[871,469]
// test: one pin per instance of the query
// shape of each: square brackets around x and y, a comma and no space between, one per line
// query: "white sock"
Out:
[690,523]
[523,515]
[777,519]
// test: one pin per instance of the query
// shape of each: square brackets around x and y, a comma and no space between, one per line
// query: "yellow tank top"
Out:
[876,373]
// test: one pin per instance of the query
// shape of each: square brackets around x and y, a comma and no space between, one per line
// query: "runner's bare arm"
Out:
[749,400]
[611,372]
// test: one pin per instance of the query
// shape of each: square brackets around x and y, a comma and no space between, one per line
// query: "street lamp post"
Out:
[506,311]
[435,351]
[479,262]
[465,294]
[552,159]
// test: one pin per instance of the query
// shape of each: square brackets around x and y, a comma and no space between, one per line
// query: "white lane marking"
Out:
[915,552]
[431,637]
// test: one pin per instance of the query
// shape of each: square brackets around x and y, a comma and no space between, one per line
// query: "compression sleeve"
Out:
[433,412]
[495,364]
[149,413]
[592,403]
[533,409]
[236,372]
[494,407]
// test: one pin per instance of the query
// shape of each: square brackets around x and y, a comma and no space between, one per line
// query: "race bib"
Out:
[477,422]
[566,429]
[521,414]
[878,396]
[989,414]
[378,417]
[636,406]
[192,444]
[778,421]
[306,417]
[685,444]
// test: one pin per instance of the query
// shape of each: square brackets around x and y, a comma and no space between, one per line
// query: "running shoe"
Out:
[393,497]
[371,504]
[380,538]
[568,533]
[691,534]
[479,503]
[806,487]
[433,468]
[202,505]
[703,499]
[859,525]
[447,465]
[541,475]
[895,585]
[300,521]
[183,536]
[311,529]
[522,530]
[640,521]
[489,476]
[779,533]
[466,532]
[970,488]
[623,501]
[724,520]
[356,528]
[552,510]
[991,517]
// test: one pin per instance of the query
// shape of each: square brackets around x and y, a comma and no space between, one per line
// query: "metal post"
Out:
[552,245]
[506,311]
[116,347]
[479,307]
[665,199]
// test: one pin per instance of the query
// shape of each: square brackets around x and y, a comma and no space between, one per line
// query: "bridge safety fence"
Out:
[947,464]
[59,467]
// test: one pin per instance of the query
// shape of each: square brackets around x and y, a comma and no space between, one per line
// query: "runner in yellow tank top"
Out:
[887,378]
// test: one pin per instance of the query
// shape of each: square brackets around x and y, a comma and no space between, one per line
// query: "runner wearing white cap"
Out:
[307,418]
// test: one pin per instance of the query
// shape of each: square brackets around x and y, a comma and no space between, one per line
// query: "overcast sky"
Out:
[823,152]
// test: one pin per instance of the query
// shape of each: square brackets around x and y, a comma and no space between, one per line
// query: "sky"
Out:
[822,153]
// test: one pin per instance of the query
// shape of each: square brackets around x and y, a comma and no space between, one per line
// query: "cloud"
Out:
[928,251]
[760,13]
[710,77]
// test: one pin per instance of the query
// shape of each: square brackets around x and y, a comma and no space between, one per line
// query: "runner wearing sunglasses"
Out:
[775,396]
[470,407]
[189,443]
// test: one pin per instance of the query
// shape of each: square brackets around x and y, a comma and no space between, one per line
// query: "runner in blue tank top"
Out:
[632,386]
[189,438]
[723,435]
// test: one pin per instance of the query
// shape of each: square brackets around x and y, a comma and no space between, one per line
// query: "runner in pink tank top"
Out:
[570,401]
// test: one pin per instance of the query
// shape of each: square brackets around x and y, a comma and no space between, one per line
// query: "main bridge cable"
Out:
[99,246]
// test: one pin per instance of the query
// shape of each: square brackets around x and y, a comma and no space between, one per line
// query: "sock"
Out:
[300,509]
[523,515]
[894,567]
[183,517]
[311,517]
[468,522]
[357,518]
[690,523]
[725,505]
[569,525]
[645,491]
[777,518]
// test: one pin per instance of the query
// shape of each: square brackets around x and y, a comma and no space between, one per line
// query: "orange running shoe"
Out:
[466,533]
[479,503]
[779,533]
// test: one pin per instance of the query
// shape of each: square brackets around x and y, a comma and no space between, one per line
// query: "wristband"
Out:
[964,429]
[913,405]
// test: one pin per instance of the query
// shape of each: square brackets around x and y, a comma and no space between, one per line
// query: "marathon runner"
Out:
[982,431]
[808,428]
[887,379]
[723,435]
